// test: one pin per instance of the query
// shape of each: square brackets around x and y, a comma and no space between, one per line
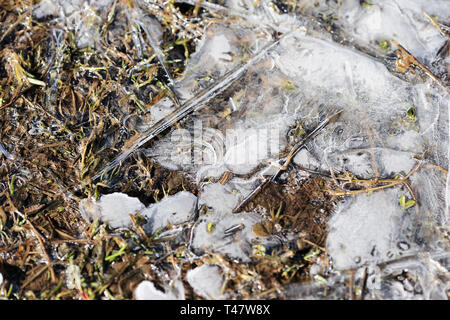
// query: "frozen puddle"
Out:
[113,208]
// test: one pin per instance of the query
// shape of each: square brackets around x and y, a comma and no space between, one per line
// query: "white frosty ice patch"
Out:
[305,159]
[207,281]
[218,197]
[174,209]
[213,233]
[372,162]
[73,277]
[364,229]
[146,291]
[115,209]
[401,20]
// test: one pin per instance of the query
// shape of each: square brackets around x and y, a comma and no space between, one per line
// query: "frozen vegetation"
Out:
[391,122]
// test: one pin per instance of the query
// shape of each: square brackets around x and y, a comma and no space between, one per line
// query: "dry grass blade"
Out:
[19,20]
[434,23]
[406,59]
[391,183]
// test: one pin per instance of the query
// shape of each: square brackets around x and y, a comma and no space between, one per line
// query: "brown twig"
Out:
[391,183]
[314,245]
[434,166]
[407,59]
[41,244]
[287,160]
[363,285]
[38,237]
[197,7]
[351,283]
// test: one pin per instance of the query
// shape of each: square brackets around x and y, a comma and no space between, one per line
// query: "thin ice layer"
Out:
[146,290]
[366,229]
[371,23]
[296,83]
[207,281]
[417,276]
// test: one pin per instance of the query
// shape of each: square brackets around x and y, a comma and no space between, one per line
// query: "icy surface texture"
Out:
[175,209]
[73,277]
[83,16]
[115,209]
[220,230]
[207,281]
[375,237]
[237,244]
[146,291]
[401,20]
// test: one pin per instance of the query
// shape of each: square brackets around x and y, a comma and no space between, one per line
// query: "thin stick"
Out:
[314,245]
[38,236]
[41,244]
[351,284]
[197,7]
[33,277]
[160,56]
[289,158]
[363,285]
[396,182]
[434,23]
[434,166]
[14,97]
[19,20]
